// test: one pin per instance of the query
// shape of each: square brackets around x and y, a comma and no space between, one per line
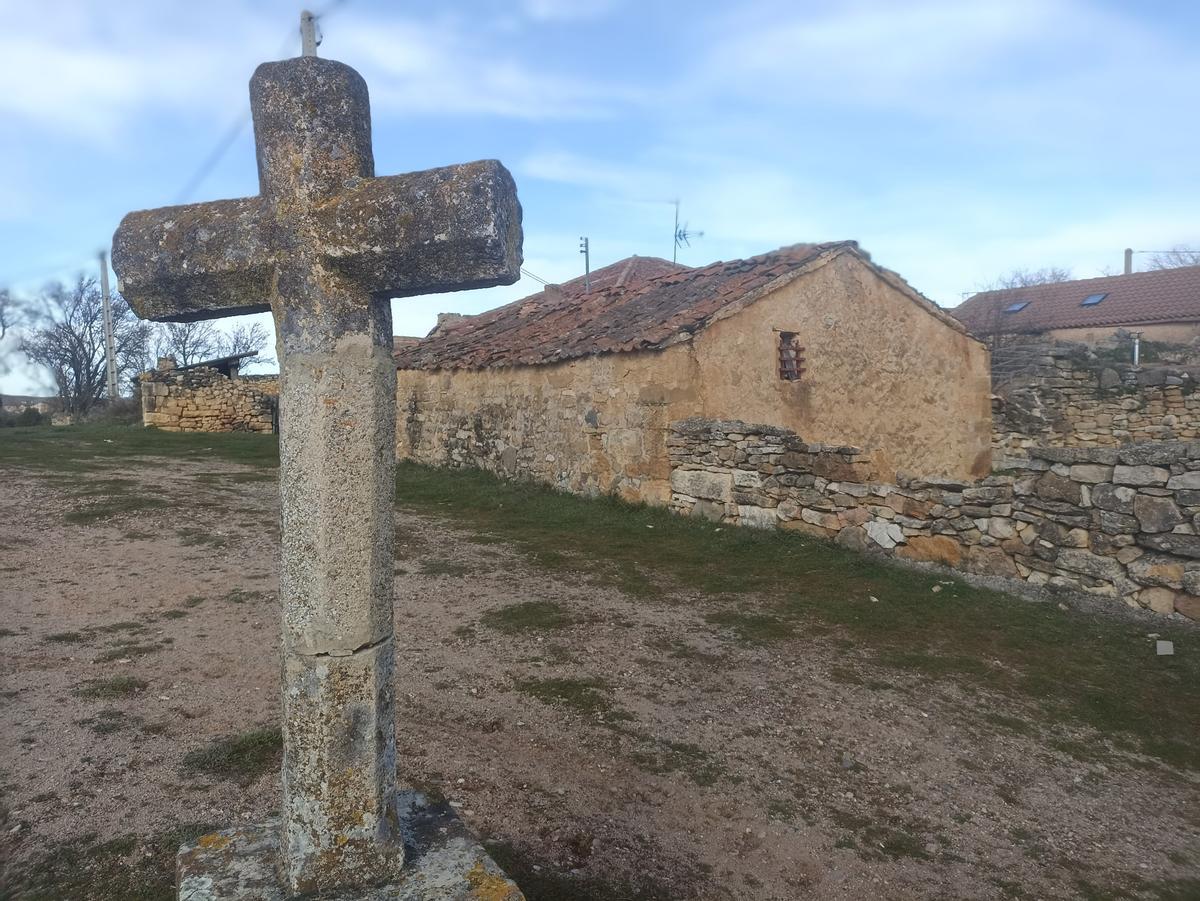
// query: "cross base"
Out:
[443,862]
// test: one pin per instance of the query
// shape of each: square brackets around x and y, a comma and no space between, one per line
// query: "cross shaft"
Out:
[324,246]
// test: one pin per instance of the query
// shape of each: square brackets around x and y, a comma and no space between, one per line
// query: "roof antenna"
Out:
[587,263]
[682,235]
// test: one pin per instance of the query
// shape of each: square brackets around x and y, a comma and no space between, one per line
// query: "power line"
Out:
[238,125]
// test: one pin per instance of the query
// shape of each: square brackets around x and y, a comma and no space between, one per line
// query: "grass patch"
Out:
[241,758]
[131,868]
[111,507]
[1075,667]
[67,637]
[126,649]
[92,448]
[113,687]
[528,616]
[192,537]
[444,568]
[240,596]
[584,696]
[752,628]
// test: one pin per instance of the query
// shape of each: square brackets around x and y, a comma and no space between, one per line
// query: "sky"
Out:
[954,141]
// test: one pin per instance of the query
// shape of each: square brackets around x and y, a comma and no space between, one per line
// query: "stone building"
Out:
[578,386]
[210,396]
[1162,305]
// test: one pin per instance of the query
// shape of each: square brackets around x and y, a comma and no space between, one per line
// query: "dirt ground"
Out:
[607,746]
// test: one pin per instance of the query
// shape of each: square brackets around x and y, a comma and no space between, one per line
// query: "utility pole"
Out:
[587,263]
[110,349]
[675,233]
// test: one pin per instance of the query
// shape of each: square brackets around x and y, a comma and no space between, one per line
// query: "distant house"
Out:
[1164,305]
[580,385]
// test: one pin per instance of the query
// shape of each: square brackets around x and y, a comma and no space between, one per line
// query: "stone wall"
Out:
[1068,395]
[202,399]
[1114,522]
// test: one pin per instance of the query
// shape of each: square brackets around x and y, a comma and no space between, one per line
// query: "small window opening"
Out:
[1016,307]
[1092,299]
[791,357]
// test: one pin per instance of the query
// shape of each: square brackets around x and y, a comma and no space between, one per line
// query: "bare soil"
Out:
[606,744]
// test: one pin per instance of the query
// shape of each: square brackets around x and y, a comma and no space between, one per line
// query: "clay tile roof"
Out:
[641,303]
[1140,298]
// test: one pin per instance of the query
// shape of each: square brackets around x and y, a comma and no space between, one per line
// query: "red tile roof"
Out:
[636,304]
[1140,298]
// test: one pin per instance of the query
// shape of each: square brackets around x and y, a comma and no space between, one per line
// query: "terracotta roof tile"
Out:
[636,304]
[1140,298]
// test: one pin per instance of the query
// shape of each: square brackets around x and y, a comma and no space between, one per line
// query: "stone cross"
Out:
[324,246]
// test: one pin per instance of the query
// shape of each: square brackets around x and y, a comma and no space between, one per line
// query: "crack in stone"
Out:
[369,646]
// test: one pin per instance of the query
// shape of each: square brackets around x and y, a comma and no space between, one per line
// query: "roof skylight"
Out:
[1016,307]
[1092,299]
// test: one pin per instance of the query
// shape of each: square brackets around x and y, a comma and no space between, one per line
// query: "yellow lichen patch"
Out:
[490,887]
[214,841]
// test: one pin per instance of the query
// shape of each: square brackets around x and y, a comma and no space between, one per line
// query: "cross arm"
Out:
[199,261]
[445,229]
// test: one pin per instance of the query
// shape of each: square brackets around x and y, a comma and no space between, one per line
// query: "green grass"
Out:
[584,696]
[528,616]
[92,448]
[113,687]
[129,868]
[1076,668]
[241,758]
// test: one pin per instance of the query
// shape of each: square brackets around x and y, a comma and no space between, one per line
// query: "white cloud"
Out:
[449,68]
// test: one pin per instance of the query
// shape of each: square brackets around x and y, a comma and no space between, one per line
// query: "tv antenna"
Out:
[586,250]
[682,235]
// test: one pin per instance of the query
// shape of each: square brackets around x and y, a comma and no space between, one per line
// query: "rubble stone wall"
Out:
[1114,522]
[206,400]
[1067,395]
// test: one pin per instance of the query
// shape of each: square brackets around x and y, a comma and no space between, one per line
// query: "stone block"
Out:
[932,549]
[1054,487]
[743,478]
[1188,605]
[339,768]
[1156,514]
[444,863]
[1188,481]
[990,561]
[885,534]
[1160,600]
[1090,473]
[702,484]
[1155,570]
[758,517]
[1155,453]
[1115,498]
[1171,543]
[1143,475]
[1089,564]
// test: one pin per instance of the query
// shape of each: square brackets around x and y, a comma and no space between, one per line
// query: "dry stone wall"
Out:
[205,400]
[1068,395]
[1115,522]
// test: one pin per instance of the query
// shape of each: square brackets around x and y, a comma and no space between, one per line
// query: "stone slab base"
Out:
[443,862]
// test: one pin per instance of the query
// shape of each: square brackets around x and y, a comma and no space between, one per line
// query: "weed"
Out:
[584,696]
[528,616]
[752,628]
[114,687]
[192,537]
[67,637]
[444,568]
[241,758]
[127,649]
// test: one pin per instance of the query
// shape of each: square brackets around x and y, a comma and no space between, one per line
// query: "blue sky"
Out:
[955,141]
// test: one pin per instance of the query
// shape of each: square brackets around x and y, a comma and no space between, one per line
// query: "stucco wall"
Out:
[881,372]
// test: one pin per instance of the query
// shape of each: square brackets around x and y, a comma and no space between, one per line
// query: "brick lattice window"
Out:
[791,357]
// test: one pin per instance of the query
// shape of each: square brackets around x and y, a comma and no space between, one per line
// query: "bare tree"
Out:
[1175,258]
[66,336]
[187,342]
[248,338]
[1027,278]
[8,311]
